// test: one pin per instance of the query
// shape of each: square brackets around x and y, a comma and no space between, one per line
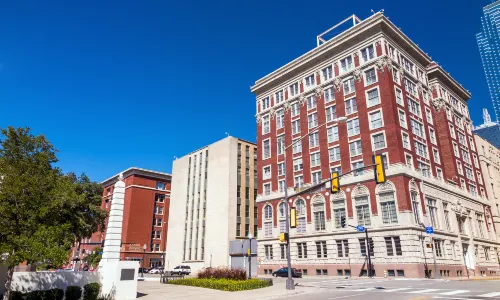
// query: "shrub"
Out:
[15,295]
[222,273]
[53,294]
[91,291]
[35,295]
[73,293]
[222,284]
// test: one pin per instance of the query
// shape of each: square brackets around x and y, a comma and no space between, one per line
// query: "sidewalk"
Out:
[149,290]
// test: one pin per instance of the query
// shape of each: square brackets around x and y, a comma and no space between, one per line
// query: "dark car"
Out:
[141,270]
[283,272]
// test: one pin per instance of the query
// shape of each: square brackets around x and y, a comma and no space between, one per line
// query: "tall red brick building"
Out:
[398,103]
[145,216]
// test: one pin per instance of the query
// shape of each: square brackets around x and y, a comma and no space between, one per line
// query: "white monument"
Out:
[117,277]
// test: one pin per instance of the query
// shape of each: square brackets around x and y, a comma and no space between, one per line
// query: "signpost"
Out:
[360,228]
[429,230]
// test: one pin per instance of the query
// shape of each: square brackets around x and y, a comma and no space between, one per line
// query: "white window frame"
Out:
[264,177]
[265,103]
[359,149]
[295,112]
[314,174]
[420,126]
[435,154]
[263,149]
[334,135]
[368,105]
[351,88]
[405,124]
[312,120]
[331,73]
[424,147]
[266,119]
[316,160]
[297,146]
[280,149]
[432,136]
[311,101]
[279,96]
[374,53]
[294,89]
[403,134]
[335,157]
[280,119]
[354,133]
[349,66]
[428,116]
[365,77]
[296,129]
[398,91]
[295,177]
[281,171]
[351,100]
[330,91]
[267,191]
[299,163]
[328,112]
[313,139]
[372,137]
[373,112]
[307,83]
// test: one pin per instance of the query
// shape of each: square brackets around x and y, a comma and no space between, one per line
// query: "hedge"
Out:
[222,284]
[53,294]
[222,272]
[91,291]
[73,293]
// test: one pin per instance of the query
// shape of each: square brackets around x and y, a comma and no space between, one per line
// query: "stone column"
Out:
[112,243]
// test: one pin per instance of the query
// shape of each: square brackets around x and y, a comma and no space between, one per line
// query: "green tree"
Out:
[42,211]
[94,257]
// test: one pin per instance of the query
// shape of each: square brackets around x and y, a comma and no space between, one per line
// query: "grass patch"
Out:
[229,285]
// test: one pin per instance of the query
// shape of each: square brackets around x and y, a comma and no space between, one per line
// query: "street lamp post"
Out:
[143,257]
[289,281]
[250,255]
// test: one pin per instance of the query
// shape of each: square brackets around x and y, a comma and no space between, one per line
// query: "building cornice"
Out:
[136,171]
[436,71]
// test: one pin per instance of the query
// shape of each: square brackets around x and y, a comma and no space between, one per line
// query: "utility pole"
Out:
[436,275]
[368,247]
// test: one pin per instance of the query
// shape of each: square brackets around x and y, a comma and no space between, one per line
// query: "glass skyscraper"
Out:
[488,41]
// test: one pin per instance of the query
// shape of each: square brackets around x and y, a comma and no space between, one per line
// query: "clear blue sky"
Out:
[115,84]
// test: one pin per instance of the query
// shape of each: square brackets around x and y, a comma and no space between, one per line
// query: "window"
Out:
[295,126]
[459,167]
[420,149]
[312,120]
[431,204]
[353,127]
[415,205]
[334,154]
[311,102]
[268,229]
[378,141]
[299,180]
[338,211]
[407,65]
[159,198]
[362,210]
[468,173]
[452,246]
[392,52]
[315,159]
[402,118]
[268,212]
[346,64]
[399,97]
[160,186]
[331,113]
[279,96]
[265,103]
[267,172]
[388,205]
[321,249]
[406,140]
[409,161]
[268,249]
[281,185]
[428,115]
[319,216]
[333,134]
[314,140]
[267,189]
[342,248]
[455,150]
[327,73]
[309,81]
[355,148]
[479,178]
[471,143]
[363,245]
[432,135]
[301,213]
[370,77]
[158,210]
[373,98]
[461,138]
[393,245]
[375,119]
[410,87]
[368,53]
[435,153]
[417,128]
[329,94]
[357,165]
[465,156]
[476,162]
[424,169]
[447,216]
[295,109]
[297,146]
[452,131]
[301,250]
[479,220]
[294,89]
[448,114]
[316,177]
[267,149]
[414,107]
[297,164]
[438,246]
[280,119]
[395,75]
[486,253]
[157,222]
[283,251]
[281,169]
[156,234]
[351,106]
[349,86]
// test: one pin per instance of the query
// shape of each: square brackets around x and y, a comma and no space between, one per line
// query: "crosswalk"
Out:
[437,292]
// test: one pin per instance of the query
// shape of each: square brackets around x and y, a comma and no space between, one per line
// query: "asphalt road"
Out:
[405,289]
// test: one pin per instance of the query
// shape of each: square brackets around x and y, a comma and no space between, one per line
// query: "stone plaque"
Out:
[127,274]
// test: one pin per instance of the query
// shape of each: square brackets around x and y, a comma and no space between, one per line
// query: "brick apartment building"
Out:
[398,103]
[145,219]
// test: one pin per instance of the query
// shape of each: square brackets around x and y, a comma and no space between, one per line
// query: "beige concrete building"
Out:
[212,203]
[489,157]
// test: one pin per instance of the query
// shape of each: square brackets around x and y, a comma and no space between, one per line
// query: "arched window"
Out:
[282,220]
[415,202]
[362,204]
[387,199]
[318,209]
[338,204]
[268,220]
[301,214]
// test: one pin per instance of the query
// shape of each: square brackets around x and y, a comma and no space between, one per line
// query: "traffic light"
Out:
[370,242]
[293,217]
[342,221]
[335,182]
[379,168]
[283,237]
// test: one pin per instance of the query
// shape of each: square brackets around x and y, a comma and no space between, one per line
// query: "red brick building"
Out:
[398,103]
[145,219]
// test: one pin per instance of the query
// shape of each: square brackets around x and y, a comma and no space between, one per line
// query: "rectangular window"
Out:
[468,173]
[410,87]
[351,106]
[316,177]
[265,103]
[321,251]
[353,127]
[414,107]
[266,172]
[309,81]
[465,156]
[327,73]
[267,189]
[346,64]
[160,185]
[417,128]
[315,159]
[370,76]
[357,165]
[378,141]
[408,65]
[268,249]
[279,96]
[295,109]
[452,131]
[375,119]
[455,150]
[406,140]
[486,253]
[297,146]
[338,212]
[435,153]
[432,135]
[355,148]
[395,75]
[314,140]
[299,180]
[283,251]
[372,97]
[280,119]
[319,216]
[329,94]
[159,198]
[267,149]
[331,113]
[402,118]
[297,164]
[349,86]
[266,127]
[399,97]
[447,216]
[294,89]
[158,210]
[268,229]
[428,115]
[311,102]
[420,149]
[342,248]
[362,211]
[282,226]
[388,206]
[312,120]
[333,134]
[295,126]
[281,185]
[281,169]
[393,245]
[438,246]
[301,250]
[363,245]
[424,169]
[281,145]
[334,154]
[432,207]
[368,53]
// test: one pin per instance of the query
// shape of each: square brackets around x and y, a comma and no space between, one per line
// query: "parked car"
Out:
[141,270]
[283,272]
[182,270]
[156,271]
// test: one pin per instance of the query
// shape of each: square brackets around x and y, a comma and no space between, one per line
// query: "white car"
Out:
[156,271]
[182,270]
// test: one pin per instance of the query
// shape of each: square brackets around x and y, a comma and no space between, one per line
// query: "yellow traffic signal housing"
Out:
[283,237]
[293,217]
[379,168]
[335,182]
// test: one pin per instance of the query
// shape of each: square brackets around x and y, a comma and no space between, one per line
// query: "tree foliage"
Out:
[42,211]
